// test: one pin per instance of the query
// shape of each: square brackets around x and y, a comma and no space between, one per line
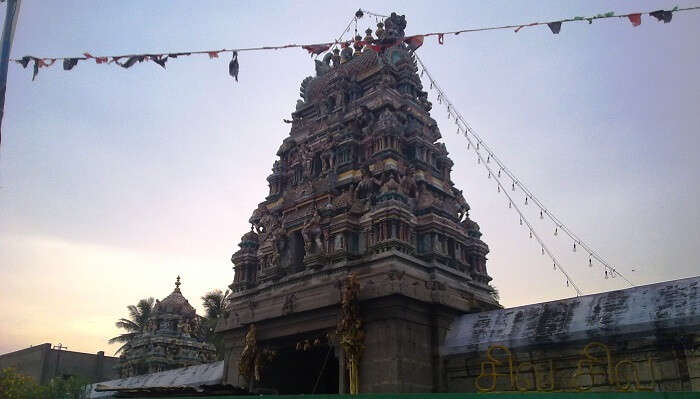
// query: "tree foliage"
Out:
[215,305]
[135,324]
[14,385]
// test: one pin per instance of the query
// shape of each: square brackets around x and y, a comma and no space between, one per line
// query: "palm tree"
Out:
[135,324]
[215,307]
[215,303]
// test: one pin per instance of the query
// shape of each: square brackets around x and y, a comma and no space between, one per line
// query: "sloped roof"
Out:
[197,377]
[639,310]
[174,303]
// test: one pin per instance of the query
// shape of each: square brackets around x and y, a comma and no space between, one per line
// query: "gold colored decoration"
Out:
[597,362]
[586,366]
[350,333]
[491,364]
[253,359]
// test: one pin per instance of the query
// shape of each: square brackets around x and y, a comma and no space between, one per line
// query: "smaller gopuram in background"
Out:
[170,340]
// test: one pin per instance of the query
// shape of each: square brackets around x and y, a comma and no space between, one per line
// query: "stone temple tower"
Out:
[362,185]
[170,339]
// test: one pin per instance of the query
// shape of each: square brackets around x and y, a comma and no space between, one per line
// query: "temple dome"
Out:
[251,237]
[172,338]
[471,227]
[175,303]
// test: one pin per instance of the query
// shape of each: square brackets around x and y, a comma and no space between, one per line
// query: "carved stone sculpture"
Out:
[312,234]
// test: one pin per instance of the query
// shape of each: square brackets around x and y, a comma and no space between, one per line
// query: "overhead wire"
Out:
[294,45]
[47,61]
[480,143]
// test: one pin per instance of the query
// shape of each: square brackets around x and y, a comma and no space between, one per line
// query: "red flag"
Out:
[316,48]
[99,60]
[213,54]
[636,19]
[414,42]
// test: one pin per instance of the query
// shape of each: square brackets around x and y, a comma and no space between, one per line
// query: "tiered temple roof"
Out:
[362,172]
[169,341]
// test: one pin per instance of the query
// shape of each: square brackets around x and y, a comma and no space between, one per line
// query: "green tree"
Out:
[14,385]
[66,388]
[135,324]
[215,307]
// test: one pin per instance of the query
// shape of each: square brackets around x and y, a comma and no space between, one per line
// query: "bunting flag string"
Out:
[475,142]
[315,49]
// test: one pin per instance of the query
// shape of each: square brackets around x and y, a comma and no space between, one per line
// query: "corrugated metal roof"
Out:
[196,377]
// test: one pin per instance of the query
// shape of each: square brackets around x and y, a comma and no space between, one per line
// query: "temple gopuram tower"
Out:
[362,186]
[169,341]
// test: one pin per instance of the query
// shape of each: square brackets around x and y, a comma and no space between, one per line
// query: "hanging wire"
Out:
[346,30]
[439,34]
[374,14]
[524,220]
[469,130]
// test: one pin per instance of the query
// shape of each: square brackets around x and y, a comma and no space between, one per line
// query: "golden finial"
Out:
[177,283]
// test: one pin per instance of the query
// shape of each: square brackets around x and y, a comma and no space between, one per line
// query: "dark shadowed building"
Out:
[362,186]
[43,363]
[363,270]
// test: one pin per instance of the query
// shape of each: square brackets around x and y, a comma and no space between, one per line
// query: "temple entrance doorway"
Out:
[299,371]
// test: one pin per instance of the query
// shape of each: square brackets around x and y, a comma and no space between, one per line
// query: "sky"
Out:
[114,181]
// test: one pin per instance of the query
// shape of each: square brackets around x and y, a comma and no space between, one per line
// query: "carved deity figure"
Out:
[306,157]
[277,167]
[261,220]
[328,155]
[423,101]
[366,119]
[425,197]
[184,327]
[304,189]
[462,206]
[312,234]
[394,27]
[279,243]
[253,358]
[368,185]
[390,185]
[343,198]
[345,54]
[408,182]
[322,67]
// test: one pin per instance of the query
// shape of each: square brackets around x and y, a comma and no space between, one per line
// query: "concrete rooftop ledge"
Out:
[649,309]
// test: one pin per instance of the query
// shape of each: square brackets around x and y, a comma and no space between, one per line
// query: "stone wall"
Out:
[641,339]
[633,364]
[43,363]
[29,361]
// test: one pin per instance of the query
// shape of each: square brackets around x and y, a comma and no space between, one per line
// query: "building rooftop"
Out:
[655,307]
